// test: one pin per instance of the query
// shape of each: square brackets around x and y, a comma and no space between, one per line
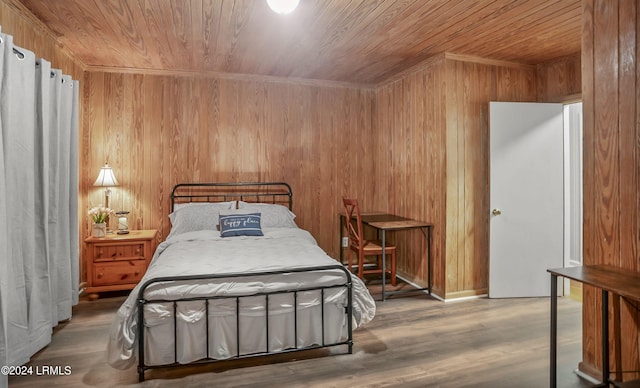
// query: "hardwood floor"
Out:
[414,341]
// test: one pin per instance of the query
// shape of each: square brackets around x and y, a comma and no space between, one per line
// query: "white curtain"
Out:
[39,267]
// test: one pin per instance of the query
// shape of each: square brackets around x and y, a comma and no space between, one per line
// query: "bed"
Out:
[236,278]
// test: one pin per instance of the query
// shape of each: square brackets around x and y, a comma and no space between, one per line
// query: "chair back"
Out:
[355,231]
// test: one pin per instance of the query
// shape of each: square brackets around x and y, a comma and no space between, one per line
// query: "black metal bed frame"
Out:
[225,191]
[195,192]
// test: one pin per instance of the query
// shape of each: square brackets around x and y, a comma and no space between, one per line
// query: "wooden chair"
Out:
[362,247]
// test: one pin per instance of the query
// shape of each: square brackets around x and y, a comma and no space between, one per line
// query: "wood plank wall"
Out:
[409,115]
[30,35]
[157,131]
[560,80]
[611,164]
[33,37]
[470,87]
[432,164]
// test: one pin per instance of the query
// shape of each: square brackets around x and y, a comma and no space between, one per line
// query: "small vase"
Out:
[100,230]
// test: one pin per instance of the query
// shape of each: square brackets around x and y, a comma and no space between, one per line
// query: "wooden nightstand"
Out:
[118,261]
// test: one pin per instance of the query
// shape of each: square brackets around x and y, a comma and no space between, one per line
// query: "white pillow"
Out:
[224,205]
[195,216]
[273,215]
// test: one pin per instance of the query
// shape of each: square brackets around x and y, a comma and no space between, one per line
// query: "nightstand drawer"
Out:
[110,252]
[121,272]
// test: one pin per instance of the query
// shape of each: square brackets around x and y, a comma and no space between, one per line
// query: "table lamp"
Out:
[107,180]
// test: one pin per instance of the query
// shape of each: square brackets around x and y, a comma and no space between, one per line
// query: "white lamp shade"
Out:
[283,6]
[106,177]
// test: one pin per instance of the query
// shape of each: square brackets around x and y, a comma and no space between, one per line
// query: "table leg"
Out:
[429,258]
[384,265]
[617,343]
[554,330]
[605,338]
[340,243]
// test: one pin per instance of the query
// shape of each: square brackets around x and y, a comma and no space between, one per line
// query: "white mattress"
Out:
[205,252]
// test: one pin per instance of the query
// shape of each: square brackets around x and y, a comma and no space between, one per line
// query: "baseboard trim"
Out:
[465,298]
[462,295]
[586,377]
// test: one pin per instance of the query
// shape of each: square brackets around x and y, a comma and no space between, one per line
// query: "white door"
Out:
[527,212]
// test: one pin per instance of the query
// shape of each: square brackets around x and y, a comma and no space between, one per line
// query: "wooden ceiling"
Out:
[357,41]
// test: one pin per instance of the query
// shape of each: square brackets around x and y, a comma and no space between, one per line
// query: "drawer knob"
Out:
[100,275]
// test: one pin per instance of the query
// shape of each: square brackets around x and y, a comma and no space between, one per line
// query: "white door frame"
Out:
[573,141]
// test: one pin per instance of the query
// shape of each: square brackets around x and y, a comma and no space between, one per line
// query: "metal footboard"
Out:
[142,301]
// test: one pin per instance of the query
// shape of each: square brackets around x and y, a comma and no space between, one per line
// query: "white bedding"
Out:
[205,252]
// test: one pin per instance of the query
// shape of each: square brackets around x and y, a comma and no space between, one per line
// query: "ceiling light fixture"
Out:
[283,6]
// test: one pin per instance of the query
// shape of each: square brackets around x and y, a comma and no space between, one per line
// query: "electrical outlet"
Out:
[345,242]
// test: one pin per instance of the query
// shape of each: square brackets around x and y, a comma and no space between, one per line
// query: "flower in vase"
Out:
[100,214]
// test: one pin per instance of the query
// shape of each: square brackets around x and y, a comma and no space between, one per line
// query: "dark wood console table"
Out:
[616,280]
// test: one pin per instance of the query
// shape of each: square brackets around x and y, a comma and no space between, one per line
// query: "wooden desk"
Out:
[609,279]
[384,222]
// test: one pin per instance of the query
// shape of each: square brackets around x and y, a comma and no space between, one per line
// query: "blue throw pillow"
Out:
[240,225]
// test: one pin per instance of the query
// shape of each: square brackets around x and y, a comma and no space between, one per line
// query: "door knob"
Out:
[496,212]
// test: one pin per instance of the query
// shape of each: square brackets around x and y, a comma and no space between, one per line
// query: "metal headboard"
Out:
[270,192]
